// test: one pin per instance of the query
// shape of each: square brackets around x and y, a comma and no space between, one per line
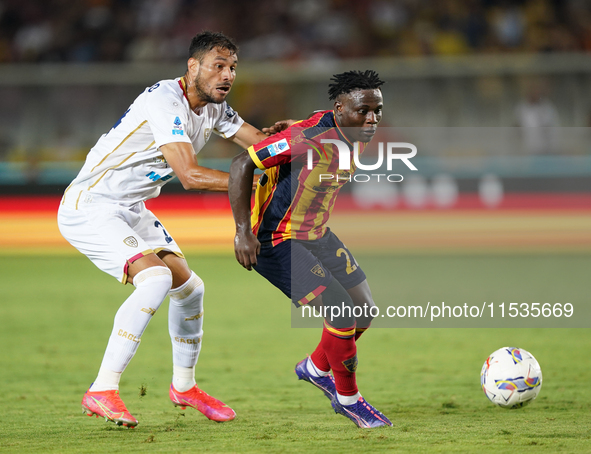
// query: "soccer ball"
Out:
[511,377]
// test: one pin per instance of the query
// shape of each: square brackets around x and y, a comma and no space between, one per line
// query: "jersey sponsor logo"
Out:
[131,241]
[182,340]
[129,336]
[351,364]
[278,147]
[155,177]
[153,87]
[149,310]
[318,271]
[230,112]
[194,317]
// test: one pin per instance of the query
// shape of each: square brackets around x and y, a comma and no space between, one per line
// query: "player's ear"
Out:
[338,107]
[193,66]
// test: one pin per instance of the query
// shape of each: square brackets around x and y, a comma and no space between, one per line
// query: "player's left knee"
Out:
[365,312]
[153,283]
[338,306]
[365,308]
[189,293]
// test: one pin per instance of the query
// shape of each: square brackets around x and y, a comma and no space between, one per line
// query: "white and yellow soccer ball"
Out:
[511,377]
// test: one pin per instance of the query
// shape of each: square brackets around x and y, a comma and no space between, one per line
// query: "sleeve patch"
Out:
[177,127]
[230,112]
[278,147]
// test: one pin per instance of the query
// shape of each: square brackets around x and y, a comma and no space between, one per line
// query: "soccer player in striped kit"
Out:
[103,215]
[288,242]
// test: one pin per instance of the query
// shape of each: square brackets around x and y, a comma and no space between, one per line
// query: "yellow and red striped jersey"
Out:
[292,200]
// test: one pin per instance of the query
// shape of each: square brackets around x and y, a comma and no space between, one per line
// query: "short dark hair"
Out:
[205,41]
[353,80]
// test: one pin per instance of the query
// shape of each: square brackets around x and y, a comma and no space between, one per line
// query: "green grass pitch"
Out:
[56,314]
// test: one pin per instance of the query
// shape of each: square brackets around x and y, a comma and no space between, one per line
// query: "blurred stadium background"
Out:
[463,74]
[496,94]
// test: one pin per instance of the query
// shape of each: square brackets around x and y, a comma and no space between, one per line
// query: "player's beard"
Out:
[200,89]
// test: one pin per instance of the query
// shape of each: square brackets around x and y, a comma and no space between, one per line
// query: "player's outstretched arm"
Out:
[246,245]
[180,156]
[247,135]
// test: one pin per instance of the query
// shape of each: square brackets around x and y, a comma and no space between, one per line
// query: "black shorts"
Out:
[303,269]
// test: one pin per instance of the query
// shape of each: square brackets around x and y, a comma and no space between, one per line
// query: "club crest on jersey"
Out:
[131,241]
[230,112]
[160,160]
[207,134]
[318,271]
[178,127]
[278,147]
[298,138]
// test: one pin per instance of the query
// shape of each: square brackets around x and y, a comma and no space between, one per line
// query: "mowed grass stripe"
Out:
[551,230]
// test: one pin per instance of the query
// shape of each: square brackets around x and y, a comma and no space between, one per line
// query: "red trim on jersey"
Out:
[131,260]
[183,86]
[312,295]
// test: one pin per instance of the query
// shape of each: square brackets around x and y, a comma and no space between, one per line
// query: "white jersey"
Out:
[126,165]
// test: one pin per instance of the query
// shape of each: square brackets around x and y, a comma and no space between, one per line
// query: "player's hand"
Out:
[279,126]
[246,249]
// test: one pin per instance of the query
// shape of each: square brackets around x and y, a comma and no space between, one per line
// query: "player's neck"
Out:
[340,128]
[195,102]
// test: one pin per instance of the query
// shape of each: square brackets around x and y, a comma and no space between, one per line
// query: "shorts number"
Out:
[167,237]
[350,267]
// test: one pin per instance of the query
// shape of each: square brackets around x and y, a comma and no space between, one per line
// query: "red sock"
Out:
[340,349]
[319,357]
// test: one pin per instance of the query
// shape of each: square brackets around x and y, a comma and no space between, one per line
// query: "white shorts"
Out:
[113,236]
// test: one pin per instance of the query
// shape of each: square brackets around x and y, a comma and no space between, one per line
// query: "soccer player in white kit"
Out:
[102,214]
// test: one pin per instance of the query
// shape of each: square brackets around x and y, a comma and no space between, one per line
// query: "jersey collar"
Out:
[183,86]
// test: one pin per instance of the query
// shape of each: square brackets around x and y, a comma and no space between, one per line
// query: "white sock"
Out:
[183,378]
[313,370]
[348,400]
[106,380]
[132,318]
[185,325]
